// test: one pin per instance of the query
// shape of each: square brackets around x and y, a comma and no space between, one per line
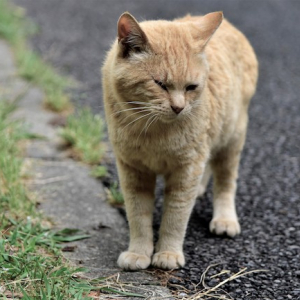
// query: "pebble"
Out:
[182,294]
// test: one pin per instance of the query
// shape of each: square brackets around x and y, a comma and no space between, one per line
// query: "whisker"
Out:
[156,101]
[128,109]
[189,117]
[199,106]
[150,118]
[132,102]
[146,124]
[156,117]
[119,103]
[137,112]
[135,120]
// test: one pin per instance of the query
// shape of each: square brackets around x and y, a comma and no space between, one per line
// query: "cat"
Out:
[176,95]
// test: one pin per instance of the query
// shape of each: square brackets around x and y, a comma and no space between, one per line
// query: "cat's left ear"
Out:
[206,27]
[130,35]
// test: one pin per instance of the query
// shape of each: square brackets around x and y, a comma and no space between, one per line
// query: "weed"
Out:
[99,171]
[114,196]
[25,269]
[31,264]
[16,29]
[13,197]
[84,132]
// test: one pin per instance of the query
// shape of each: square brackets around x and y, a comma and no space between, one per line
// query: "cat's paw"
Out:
[221,226]
[168,260]
[133,261]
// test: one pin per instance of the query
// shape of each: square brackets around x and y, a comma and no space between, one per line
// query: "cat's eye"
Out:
[161,85]
[191,87]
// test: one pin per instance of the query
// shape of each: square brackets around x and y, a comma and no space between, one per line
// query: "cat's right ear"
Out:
[206,27]
[130,35]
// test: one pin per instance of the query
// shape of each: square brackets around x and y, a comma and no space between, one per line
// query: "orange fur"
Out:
[176,96]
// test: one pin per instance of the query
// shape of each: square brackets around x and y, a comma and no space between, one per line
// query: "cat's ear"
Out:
[207,26]
[130,35]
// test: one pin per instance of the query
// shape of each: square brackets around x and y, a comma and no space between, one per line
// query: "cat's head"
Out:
[161,66]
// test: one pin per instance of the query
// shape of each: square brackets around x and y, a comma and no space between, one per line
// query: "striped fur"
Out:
[205,71]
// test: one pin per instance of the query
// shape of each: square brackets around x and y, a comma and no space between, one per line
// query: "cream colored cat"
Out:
[176,96]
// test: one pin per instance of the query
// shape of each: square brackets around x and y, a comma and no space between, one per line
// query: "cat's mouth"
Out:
[171,118]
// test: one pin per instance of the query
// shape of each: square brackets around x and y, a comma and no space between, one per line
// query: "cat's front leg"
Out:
[138,191]
[180,194]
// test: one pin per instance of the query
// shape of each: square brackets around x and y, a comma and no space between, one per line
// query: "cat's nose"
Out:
[177,109]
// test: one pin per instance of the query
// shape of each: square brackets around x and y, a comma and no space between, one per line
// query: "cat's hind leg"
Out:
[204,181]
[138,191]
[225,173]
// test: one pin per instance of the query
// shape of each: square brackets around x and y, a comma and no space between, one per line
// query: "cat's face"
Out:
[161,68]
[170,86]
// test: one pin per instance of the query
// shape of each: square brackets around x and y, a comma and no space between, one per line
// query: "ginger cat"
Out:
[176,96]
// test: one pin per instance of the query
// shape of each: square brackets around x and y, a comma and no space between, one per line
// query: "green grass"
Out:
[13,197]
[84,132]
[31,263]
[16,29]
[114,196]
[24,267]
[99,171]
[83,135]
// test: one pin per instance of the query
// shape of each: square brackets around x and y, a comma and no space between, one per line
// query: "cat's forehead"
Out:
[168,37]
[176,59]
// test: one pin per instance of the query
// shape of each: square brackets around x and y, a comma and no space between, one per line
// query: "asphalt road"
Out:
[75,35]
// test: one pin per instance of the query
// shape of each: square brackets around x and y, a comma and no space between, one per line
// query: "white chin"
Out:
[172,119]
[168,120]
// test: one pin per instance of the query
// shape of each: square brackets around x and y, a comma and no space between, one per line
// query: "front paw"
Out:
[133,261]
[221,226]
[168,260]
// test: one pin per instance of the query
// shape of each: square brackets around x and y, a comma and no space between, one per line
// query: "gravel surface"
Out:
[74,36]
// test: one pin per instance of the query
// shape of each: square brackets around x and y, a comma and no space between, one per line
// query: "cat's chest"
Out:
[158,154]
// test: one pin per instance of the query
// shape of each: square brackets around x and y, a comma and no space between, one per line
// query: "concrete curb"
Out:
[69,195]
